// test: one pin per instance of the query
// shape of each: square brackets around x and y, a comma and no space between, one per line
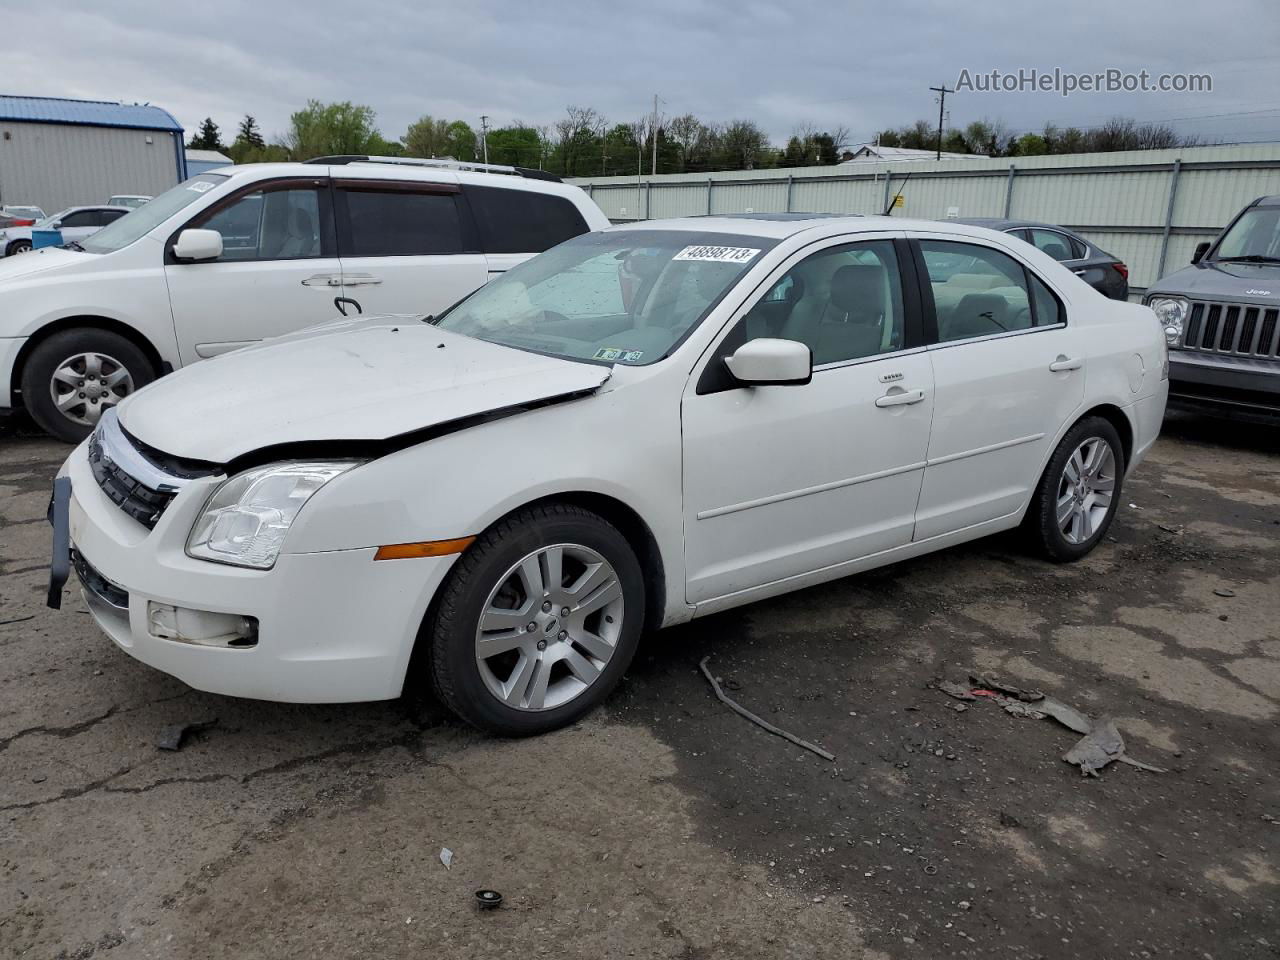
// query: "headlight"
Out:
[1172,314]
[246,519]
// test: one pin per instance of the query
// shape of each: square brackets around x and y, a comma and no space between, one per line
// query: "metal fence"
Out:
[1149,208]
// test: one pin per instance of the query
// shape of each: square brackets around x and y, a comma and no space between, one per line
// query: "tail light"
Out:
[1121,269]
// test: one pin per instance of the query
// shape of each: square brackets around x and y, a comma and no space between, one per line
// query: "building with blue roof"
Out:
[56,153]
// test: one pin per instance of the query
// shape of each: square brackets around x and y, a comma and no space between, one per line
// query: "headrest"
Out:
[858,286]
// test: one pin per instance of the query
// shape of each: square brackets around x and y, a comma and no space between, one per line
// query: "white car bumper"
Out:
[331,627]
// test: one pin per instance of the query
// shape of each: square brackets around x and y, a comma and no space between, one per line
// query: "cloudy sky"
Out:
[861,66]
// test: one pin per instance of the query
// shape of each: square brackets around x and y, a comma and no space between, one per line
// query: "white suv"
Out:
[244,253]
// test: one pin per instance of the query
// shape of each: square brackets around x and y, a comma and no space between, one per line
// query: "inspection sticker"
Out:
[717,254]
[200,186]
[614,353]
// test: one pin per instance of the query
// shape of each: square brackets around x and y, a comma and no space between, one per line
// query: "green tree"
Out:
[461,141]
[322,129]
[209,137]
[517,145]
[427,137]
[1031,145]
[249,133]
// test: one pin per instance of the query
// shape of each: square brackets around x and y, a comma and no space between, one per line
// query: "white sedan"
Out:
[641,426]
[74,223]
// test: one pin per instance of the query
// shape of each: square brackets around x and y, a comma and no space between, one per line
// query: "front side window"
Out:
[522,221]
[140,222]
[627,296]
[1255,236]
[1057,245]
[394,223]
[977,291]
[268,225]
[81,218]
[845,303]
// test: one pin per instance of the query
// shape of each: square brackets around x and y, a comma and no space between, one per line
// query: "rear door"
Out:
[1008,370]
[515,224]
[278,272]
[405,247]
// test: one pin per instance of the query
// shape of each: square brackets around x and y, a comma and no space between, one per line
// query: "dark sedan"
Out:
[1105,273]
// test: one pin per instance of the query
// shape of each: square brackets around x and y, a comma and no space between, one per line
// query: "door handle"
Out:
[323,280]
[1079,273]
[1064,363]
[900,398]
[360,280]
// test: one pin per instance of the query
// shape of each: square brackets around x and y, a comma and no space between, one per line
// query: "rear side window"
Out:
[399,223]
[521,221]
[82,218]
[1058,245]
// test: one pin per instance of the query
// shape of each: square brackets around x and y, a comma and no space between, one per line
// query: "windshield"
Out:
[1255,236]
[139,222]
[615,297]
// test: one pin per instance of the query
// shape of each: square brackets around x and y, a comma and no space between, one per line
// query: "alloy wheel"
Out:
[549,627]
[1085,489]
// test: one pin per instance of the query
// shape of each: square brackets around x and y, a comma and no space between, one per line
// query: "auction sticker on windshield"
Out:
[717,254]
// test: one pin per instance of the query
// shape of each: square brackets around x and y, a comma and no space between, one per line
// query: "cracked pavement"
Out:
[665,825]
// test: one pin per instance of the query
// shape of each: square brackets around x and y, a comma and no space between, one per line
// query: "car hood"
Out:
[36,261]
[371,379]
[1252,282]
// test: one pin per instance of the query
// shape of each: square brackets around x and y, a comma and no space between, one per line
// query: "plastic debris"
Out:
[957,690]
[488,899]
[175,735]
[446,857]
[1224,592]
[1101,743]
[764,724]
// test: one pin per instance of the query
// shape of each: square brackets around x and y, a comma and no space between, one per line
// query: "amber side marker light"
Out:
[429,548]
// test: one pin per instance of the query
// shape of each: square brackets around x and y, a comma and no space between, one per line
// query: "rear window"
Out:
[400,224]
[521,221]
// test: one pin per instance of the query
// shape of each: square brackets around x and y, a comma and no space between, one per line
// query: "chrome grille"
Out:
[1236,329]
[131,495]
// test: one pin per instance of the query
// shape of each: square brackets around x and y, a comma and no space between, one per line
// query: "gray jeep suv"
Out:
[1221,316]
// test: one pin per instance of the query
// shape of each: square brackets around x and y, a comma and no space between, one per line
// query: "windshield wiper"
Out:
[74,245]
[1249,258]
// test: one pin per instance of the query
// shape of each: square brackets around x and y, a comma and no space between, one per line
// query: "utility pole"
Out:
[942,92]
[654,128]
[484,136]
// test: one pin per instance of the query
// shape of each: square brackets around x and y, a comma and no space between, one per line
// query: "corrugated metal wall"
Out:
[55,166]
[1119,201]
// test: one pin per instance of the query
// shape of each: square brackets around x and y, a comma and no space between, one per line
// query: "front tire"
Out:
[1078,494]
[17,247]
[537,621]
[72,377]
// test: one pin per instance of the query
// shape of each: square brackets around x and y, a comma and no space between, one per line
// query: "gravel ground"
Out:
[667,826]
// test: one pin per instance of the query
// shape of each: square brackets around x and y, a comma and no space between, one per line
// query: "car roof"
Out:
[782,226]
[1001,223]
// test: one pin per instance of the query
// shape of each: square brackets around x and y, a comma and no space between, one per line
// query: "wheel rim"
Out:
[21,247]
[85,385]
[1085,490]
[549,627]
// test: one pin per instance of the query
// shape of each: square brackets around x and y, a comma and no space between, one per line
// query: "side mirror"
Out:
[56,225]
[1201,250]
[767,361]
[198,245]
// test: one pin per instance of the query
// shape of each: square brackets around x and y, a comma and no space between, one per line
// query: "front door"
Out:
[1009,373]
[780,481]
[278,272]
[406,247]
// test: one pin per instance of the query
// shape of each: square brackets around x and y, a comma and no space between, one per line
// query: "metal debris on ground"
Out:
[446,857]
[764,724]
[5,623]
[1224,592]
[175,735]
[1101,743]
[488,899]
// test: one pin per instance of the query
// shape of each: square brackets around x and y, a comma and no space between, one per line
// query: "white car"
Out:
[642,426]
[130,200]
[74,223]
[241,254]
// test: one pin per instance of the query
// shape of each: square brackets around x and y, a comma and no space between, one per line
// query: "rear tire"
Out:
[1077,496]
[69,379]
[530,666]
[17,247]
